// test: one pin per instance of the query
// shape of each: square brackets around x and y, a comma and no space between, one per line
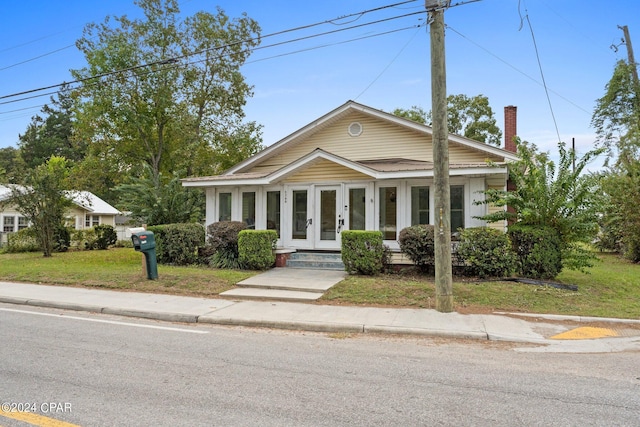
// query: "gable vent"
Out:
[355,129]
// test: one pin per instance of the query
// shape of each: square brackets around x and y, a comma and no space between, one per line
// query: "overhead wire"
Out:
[544,82]
[172,60]
[533,79]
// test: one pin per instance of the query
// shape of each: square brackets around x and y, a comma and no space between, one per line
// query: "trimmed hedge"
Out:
[178,244]
[538,251]
[417,243]
[255,249]
[363,252]
[487,252]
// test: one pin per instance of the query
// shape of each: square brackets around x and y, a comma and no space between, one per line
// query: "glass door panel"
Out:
[328,223]
[299,215]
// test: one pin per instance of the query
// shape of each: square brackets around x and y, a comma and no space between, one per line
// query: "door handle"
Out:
[309,222]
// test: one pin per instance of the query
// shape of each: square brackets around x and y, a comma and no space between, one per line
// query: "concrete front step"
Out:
[286,284]
[271,294]
[316,260]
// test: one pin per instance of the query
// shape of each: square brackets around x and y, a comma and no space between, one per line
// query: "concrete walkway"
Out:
[535,331]
[286,284]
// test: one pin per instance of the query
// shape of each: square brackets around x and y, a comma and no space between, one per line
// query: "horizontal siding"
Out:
[379,140]
[326,171]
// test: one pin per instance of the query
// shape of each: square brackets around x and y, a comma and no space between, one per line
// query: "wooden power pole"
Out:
[442,240]
[632,61]
[634,67]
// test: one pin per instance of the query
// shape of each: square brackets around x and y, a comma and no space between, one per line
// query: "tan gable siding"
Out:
[379,140]
[326,171]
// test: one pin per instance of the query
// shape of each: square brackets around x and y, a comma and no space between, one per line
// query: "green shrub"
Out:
[24,240]
[223,240]
[80,239]
[487,252]
[105,236]
[363,252]
[62,239]
[255,249]
[538,251]
[177,244]
[416,242]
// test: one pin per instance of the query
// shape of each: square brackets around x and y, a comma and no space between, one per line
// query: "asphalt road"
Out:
[96,370]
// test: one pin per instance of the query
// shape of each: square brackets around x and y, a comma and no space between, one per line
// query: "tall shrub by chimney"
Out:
[510,127]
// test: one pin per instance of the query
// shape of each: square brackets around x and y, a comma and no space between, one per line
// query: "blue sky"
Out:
[487,52]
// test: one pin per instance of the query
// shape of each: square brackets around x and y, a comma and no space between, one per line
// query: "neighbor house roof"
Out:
[83,199]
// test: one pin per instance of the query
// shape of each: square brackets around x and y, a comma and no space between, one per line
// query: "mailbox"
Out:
[145,242]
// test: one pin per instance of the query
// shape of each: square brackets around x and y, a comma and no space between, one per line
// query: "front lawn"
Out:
[119,269]
[612,289]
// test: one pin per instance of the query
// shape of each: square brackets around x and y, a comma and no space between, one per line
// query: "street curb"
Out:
[154,315]
[580,319]
[287,325]
[425,332]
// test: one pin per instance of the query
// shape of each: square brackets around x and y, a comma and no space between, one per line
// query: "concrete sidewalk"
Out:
[323,318]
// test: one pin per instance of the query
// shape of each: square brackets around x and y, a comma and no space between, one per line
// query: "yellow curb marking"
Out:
[36,420]
[585,333]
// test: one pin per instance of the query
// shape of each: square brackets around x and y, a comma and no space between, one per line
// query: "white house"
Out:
[355,168]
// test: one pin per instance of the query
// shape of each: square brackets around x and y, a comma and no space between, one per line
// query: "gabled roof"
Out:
[83,199]
[92,203]
[343,111]
[376,169]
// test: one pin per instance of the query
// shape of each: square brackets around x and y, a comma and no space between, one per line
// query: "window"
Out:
[299,213]
[273,211]
[249,209]
[8,224]
[224,207]
[388,212]
[419,205]
[357,209]
[457,207]
[91,220]
[22,223]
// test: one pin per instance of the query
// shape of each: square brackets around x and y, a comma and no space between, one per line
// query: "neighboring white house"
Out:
[355,168]
[88,210]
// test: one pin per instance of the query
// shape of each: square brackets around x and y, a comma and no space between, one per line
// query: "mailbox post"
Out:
[145,242]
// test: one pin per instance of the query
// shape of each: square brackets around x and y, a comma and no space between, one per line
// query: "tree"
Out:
[44,200]
[11,167]
[559,197]
[616,119]
[51,134]
[469,117]
[169,88]
[153,200]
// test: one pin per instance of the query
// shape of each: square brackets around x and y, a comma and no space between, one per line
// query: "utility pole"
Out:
[634,69]
[440,138]
[632,61]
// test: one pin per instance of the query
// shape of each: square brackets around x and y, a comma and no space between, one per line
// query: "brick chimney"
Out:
[510,127]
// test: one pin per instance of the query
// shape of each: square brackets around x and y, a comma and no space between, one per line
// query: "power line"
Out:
[514,67]
[172,60]
[544,82]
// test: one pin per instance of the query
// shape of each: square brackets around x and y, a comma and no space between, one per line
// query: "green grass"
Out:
[612,289]
[119,269]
